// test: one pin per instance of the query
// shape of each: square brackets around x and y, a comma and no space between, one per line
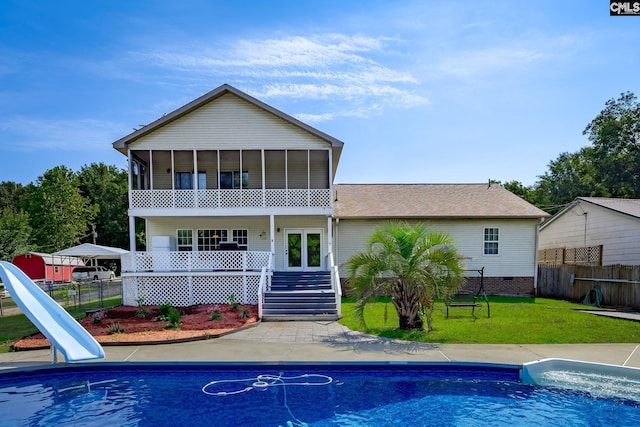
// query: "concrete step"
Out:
[300,318]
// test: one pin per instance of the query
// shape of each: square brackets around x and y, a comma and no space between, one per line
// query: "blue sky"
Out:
[419,91]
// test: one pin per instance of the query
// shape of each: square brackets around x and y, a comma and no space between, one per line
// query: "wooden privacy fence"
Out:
[619,284]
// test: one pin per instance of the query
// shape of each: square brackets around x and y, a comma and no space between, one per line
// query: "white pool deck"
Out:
[330,341]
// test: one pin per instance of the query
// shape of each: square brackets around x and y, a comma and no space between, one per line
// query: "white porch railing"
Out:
[264,285]
[179,261]
[189,278]
[336,285]
[230,199]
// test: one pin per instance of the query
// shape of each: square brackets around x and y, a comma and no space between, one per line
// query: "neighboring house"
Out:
[491,227]
[593,230]
[45,267]
[238,199]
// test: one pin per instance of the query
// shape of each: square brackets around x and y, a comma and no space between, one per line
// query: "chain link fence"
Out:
[93,294]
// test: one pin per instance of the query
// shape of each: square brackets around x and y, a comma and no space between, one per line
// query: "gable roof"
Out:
[121,144]
[436,201]
[629,207]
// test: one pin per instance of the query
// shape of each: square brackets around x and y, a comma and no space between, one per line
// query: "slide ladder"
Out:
[61,329]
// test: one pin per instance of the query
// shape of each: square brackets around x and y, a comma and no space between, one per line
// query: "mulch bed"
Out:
[196,323]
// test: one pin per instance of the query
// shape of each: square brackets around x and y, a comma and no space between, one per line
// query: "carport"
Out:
[88,252]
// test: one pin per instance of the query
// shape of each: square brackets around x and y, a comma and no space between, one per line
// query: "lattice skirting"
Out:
[183,291]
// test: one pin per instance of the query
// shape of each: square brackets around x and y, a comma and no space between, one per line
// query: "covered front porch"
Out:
[190,278]
[213,258]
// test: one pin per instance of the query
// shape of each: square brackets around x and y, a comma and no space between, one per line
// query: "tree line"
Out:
[609,167]
[61,207]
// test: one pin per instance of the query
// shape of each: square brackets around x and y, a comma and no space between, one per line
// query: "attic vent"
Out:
[27,256]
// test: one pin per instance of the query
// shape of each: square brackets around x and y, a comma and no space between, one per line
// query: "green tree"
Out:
[409,263]
[517,188]
[12,195]
[15,233]
[615,135]
[569,176]
[107,188]
[59,214]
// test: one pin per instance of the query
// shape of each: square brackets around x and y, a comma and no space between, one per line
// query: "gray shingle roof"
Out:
[626,206]
[629,207]
[430,201]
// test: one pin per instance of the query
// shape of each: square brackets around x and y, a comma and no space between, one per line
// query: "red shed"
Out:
[46,267]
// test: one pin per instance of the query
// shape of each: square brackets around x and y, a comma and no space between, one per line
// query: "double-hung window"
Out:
[185,240]
[241,237]
[491,241]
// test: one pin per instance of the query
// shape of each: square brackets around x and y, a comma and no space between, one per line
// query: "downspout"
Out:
[535,259]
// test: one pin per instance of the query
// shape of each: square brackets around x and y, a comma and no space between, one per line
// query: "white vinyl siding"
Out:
[162,176]
[618,233]
[228,122]
[318,165]
[517,243]
[167,226]
[297,172]
[164,226]
[208,163]
[275,171]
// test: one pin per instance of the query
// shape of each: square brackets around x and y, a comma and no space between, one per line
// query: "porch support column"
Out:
[173,181]
[195,179]
[329,236]
[130,174]
[132,234]
[272,233]
[264,184]
[151,170]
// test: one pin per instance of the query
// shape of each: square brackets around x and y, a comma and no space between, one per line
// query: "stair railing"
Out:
[336,286]
[264,284]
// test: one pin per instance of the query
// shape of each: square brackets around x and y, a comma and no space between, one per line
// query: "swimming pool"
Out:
[344,394]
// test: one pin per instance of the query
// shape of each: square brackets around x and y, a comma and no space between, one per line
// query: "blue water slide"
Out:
[61,329]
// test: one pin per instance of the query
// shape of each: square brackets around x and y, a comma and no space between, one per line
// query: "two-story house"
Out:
[238,199]
[230,190]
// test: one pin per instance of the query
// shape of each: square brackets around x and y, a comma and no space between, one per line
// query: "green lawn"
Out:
[18,326]
[513,321]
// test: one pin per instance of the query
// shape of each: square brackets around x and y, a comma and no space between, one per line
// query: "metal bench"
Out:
[470,299]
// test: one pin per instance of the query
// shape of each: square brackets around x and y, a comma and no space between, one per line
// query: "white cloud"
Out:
[347,69]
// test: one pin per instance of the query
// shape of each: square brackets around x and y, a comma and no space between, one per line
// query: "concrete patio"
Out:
[331,341]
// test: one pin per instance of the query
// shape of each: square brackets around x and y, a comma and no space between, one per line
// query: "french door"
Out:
[303,249]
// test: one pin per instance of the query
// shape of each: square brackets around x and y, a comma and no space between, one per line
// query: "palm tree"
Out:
[411,264]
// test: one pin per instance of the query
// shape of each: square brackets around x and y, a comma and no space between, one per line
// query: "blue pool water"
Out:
[296,394]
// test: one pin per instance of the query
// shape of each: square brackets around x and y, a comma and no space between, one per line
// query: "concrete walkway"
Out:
[330,341]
